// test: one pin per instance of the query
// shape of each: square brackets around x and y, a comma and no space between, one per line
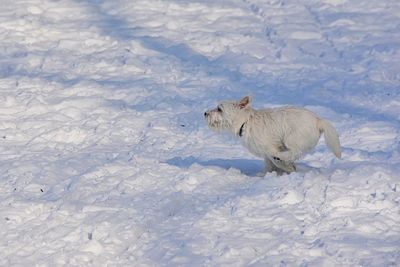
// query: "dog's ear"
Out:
[244,102]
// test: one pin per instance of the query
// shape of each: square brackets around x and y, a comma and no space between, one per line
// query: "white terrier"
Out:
[278,135]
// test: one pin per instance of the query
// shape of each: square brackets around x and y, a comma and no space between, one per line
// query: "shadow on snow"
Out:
[247,166]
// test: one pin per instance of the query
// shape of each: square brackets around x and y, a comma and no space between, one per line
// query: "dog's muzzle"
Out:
[208,117]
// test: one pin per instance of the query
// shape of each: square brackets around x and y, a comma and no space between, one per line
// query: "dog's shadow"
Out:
[249,167]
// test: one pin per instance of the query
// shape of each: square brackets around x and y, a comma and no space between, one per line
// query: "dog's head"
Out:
[228,115]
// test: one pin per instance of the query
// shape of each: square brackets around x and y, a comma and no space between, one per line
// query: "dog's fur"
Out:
[279,135]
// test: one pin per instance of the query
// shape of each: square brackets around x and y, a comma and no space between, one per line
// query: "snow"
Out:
[106,159]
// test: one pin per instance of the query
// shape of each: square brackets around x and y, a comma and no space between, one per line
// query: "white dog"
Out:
[279,135]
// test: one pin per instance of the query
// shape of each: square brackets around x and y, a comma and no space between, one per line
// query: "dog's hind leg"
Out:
[269,167]
[286,166]
[297,142]
[288,156]
[287,152]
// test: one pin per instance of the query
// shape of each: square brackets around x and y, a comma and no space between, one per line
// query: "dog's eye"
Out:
[219,109]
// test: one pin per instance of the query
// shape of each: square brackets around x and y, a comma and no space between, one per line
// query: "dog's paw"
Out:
[276,158]
[290,168]
[286,166]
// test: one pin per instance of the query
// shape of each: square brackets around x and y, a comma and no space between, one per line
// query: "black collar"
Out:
[241,129]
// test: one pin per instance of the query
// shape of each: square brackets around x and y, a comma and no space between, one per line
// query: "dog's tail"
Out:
[331,137]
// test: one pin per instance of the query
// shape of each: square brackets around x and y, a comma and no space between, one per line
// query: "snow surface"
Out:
[106,160]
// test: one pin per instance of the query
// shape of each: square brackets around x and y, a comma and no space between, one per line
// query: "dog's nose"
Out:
[205,114]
